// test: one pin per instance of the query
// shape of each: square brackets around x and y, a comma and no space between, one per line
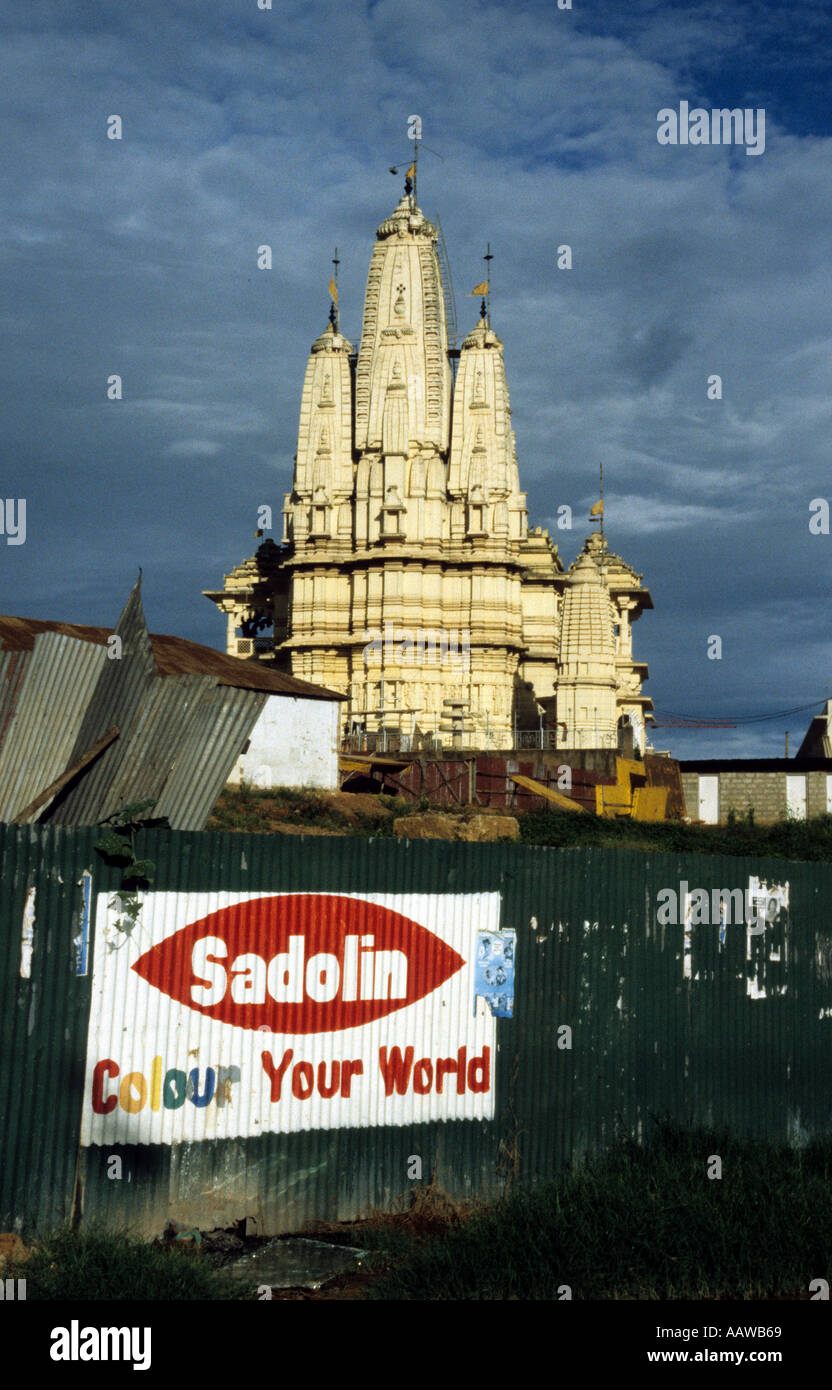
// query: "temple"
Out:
[407,577]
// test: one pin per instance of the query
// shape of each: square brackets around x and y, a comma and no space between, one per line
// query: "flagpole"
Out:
[484,289]
[336,263]
[603,556]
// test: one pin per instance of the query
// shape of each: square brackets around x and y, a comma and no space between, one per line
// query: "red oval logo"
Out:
[300,963]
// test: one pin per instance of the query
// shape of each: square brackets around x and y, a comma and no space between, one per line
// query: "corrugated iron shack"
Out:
[93,719]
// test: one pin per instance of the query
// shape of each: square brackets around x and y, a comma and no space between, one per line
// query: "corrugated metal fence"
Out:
[244,1049]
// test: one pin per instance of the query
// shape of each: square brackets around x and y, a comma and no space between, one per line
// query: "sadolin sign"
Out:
[226,1015]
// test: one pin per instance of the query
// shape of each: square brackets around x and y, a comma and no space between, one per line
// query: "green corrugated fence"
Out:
[291,1030]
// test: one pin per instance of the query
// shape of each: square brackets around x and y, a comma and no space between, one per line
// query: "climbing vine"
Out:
[117,846]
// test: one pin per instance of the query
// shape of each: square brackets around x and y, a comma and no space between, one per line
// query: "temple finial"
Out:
[484,288]
[333,293]
[488,258]
[597,510]
[410,176]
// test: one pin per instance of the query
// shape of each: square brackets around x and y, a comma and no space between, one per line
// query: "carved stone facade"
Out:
[407,577]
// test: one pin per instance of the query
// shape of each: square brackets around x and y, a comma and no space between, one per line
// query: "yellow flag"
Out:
[481,289]
[333,290]
[598,509]
[411,173]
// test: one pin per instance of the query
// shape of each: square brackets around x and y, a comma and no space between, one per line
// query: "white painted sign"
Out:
[234,1014]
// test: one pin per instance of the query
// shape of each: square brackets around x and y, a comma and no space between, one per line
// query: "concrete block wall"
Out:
[690,791]
[765,792]
[819,793]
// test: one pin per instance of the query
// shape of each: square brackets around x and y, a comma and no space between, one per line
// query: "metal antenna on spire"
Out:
[598,509]
[334,314]
[488,258]
[410,175]
[415,167]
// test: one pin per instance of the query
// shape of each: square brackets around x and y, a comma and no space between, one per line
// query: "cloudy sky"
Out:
[244,126]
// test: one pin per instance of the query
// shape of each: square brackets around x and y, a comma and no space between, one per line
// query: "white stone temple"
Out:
[408,578]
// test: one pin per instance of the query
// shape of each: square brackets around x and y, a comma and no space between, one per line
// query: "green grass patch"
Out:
[786,839]
[252,809]
[94,1265]
[642,1222]
[263,812]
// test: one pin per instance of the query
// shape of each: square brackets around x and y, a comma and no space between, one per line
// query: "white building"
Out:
[294,743]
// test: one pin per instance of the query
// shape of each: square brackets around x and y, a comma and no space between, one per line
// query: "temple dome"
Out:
[332,340]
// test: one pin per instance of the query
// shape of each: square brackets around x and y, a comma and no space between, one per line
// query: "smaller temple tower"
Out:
[599,701]
[586,697]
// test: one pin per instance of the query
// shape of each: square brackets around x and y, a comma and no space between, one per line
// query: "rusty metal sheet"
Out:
[18,634]
[176,656]
[665,772]
[448,781]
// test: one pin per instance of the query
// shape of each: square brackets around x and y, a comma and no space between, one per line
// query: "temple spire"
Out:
[404,320]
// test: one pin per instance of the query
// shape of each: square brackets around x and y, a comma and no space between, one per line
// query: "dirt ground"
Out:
[431,1213]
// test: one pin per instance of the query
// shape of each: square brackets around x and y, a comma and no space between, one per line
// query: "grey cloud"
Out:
[278,127]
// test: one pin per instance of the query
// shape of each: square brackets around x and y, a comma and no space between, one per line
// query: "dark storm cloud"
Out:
[244,127]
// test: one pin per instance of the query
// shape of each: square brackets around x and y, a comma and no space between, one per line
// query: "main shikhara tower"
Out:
[408,578]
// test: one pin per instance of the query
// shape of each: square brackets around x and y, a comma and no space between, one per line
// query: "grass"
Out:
[265,812]
[96,1264]
[786,839]
[642,1222]
[247,808]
